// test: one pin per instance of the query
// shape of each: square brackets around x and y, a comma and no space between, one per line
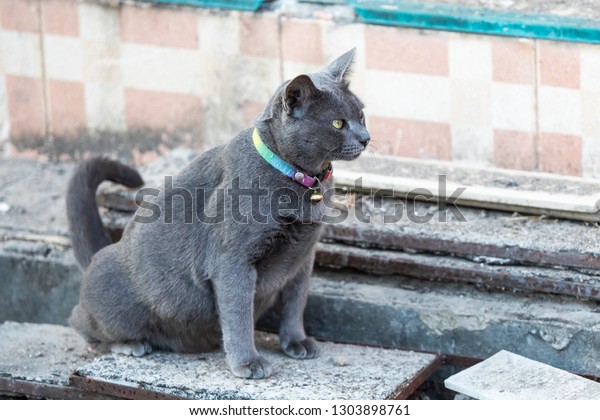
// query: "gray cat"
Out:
[185,279]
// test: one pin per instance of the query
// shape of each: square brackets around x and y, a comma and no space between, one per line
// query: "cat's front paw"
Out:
[257,368]
[304,349]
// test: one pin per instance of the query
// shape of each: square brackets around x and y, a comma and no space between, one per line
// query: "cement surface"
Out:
[508,376]
[340,371]
[40,353]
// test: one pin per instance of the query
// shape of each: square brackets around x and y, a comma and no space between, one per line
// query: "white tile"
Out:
[105,107]
[513,107]
[255,78]
[99,22]
[239,78]
[101,61]
[412,96]
[559,110]
[471,102]
[4,121]
[161,69]
[591,156]
[21,53]
[219,33]
[590,113]
[590,67]
[292,69]
[470,59]
[473,144]
[63,57]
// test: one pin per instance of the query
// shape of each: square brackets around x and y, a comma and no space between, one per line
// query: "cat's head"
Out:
[315,118]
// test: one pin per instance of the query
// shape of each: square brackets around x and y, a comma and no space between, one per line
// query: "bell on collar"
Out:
[316,197]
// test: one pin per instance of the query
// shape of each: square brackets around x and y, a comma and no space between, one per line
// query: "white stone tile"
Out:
[63,57]
[21,53]
[509,376]
[99,22]
[219,33]
[101,61]
[590,67]
[471,102]
[4,121]
[513,107]
[161,69]
[590,113]
[591,156]
[411,96]
[470,59]
[292,69]
[559,110]
[472,144]
[105,107]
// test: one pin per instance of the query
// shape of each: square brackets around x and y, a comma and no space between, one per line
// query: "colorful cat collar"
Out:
[285,168]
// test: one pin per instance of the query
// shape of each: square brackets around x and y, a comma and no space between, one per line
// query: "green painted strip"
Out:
[485,21]
[250,5]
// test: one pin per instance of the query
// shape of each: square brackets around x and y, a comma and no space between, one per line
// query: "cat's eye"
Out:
[338,123]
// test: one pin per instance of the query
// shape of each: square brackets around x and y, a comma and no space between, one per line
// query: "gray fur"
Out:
[191,287]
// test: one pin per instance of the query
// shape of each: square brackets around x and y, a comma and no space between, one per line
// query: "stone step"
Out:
[41,284]
[50,361]
[509,376]
[484,272]
[453,319]
[502,189]
[37,359]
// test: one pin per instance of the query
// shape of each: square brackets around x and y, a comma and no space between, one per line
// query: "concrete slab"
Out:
[339,372]
[508,376]
[36,360]
[41,353]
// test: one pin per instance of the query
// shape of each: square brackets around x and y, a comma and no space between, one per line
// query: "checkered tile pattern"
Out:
[68,67]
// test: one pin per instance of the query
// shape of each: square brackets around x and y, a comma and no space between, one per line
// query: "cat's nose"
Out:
[364,137]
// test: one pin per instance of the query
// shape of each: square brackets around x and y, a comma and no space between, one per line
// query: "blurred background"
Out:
[136,79]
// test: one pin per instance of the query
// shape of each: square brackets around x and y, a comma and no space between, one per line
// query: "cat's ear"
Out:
[341,67]
[298,92]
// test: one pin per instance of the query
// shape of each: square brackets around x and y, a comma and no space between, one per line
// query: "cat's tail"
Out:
[88,235]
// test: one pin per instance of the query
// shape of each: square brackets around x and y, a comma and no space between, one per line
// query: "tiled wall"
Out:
[84,77]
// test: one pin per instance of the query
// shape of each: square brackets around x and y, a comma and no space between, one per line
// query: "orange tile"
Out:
[259,36]
[301,41]
[159,26]
[515,150]
[19,15]
[560,153]
[559,64]
[162,110]
[402,50]
[25,106]
[513,61]
[418,139]
[67,107]
[61,17]
[251,110]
